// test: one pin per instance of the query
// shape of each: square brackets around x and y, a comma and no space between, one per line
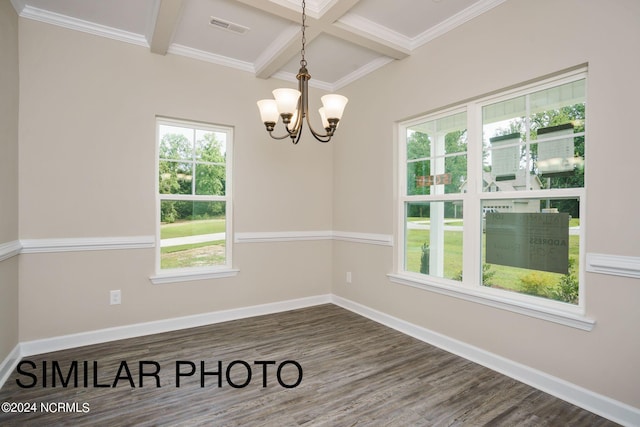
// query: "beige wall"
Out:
[8,175]
[87,110]
[515,42]
[87,147]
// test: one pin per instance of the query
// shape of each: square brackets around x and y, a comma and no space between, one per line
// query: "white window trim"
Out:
[561,313]
[197,273]
[469,289]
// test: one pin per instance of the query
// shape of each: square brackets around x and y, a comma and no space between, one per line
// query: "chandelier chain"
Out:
[303,62]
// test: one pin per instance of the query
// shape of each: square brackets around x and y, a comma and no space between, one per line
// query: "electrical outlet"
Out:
[115,297]
[349,277]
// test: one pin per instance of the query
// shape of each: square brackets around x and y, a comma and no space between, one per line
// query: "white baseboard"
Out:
[9,364]
[598,404]
[604,406]
[47,345]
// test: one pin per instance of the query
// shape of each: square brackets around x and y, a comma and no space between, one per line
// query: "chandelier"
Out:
[293,105]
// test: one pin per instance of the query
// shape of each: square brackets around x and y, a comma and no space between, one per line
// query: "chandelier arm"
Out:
[287,135]
[319,135]
[295,139]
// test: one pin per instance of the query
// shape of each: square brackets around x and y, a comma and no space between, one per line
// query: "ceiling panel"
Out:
[329,59]
[409,17]
[195,31]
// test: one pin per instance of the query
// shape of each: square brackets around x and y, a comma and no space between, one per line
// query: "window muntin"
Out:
[194,196]
[529,149]
[436,153]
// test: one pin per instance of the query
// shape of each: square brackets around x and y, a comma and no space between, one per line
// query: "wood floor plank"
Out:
[355,373]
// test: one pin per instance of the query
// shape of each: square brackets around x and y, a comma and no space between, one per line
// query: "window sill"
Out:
[187,276]
[570,317]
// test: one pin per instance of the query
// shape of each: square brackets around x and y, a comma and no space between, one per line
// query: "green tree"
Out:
[182,160]
[210,175]
[419,146]
[456,142]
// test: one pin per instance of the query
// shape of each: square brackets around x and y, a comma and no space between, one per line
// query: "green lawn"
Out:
[196,254]
[192,228]
[452,250]
[504,277]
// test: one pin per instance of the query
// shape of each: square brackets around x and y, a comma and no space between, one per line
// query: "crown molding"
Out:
[314,8]
[68,22]
[454,21]
[201,55]
[358,24]
[350,22]
[361,72]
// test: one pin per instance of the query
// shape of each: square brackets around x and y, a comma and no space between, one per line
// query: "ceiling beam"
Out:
[165,25]
[281,51]
[367,40]
[285,47]
[274,9]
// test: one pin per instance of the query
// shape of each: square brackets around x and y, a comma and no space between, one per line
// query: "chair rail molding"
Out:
[73,244]
[616,265]
[10,249]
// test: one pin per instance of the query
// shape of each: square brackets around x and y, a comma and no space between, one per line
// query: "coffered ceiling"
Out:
[346,39]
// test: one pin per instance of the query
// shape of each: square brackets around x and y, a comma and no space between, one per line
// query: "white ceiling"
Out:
[346,39]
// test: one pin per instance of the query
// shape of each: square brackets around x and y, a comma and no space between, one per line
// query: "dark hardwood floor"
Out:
[355,372]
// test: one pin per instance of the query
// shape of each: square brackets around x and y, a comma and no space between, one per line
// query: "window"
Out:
[194,199]
[436,170]
[492,197]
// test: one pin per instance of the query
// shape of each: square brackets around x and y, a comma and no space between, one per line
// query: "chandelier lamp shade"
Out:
[293,105]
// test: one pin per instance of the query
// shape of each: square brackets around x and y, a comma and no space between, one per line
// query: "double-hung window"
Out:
[492,198]
[193,200]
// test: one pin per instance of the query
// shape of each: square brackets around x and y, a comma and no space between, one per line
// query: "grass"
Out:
[195,254]
[212,253]
[192,228]
[198,255]
[504,277]
[452,251]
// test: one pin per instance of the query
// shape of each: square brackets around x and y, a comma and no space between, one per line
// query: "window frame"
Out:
[207,272]
[471,288]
